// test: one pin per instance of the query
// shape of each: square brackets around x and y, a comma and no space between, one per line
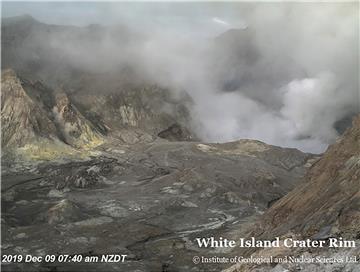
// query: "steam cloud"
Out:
[280,73]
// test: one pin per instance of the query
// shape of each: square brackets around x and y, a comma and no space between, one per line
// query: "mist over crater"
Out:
[285,74]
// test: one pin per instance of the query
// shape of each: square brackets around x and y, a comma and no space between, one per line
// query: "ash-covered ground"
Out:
[149,201]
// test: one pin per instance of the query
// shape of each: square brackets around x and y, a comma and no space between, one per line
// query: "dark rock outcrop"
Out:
[176,133]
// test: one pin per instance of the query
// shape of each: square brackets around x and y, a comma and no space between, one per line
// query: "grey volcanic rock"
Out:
[63,212]
[150,201]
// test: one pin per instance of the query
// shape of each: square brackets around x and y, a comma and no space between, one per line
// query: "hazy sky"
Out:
[204,18]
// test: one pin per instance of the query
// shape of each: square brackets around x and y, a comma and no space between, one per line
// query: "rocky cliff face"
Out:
[37,120]
[145,109]
[75,103]
[24,118]
[34,115]
[328,203]
[76,130]
[325,205]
